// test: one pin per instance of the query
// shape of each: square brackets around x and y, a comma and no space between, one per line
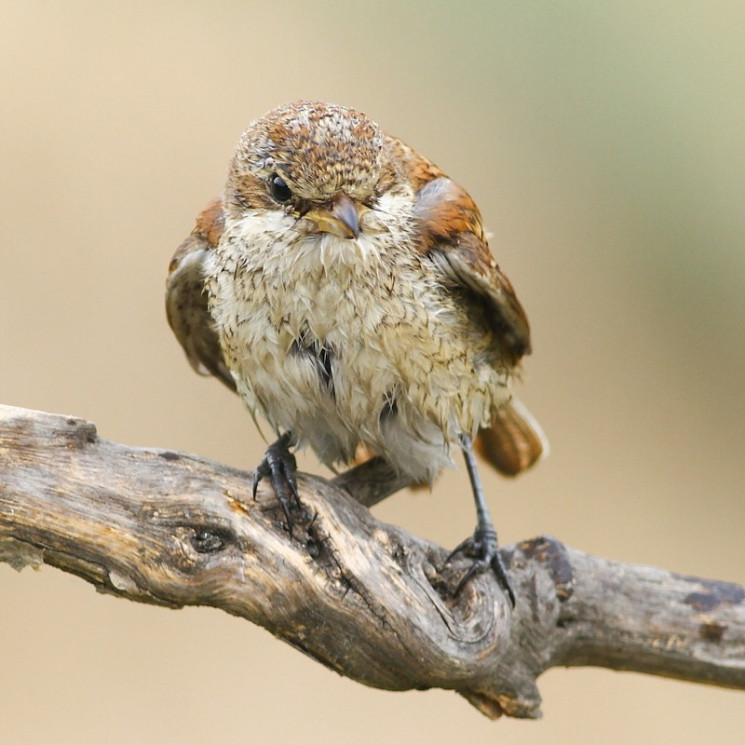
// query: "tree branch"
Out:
[366,599]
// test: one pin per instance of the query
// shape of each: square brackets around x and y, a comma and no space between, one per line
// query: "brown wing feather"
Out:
[514,442]
[453,237]
[455,241]
[186,302]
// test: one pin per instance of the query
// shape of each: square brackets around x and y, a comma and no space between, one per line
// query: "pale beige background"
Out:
[605,144]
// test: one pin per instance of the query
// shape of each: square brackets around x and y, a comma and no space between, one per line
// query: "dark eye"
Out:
[280,191]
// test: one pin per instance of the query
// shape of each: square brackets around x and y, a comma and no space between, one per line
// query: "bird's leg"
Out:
[280,466]
[482,546]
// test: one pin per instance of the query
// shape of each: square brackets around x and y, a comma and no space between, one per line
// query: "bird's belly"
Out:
[378,360]
[334,389]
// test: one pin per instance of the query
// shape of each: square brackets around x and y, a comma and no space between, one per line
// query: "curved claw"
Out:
[280,466]
[482,546]
[483,549]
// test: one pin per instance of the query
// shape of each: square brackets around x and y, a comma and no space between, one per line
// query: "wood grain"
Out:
[366,599]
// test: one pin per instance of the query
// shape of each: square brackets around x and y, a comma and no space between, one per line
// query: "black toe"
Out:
[483,549]
[280,467]
[482,546]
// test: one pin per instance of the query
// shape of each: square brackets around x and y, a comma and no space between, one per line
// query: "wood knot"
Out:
[81,432]
[553,555]
[210,540]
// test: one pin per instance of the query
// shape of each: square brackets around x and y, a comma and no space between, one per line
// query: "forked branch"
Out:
[364,598]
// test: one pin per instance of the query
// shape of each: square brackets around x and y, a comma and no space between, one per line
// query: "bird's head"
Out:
[320,165]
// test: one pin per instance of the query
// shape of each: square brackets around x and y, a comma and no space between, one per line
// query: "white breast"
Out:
[341,341]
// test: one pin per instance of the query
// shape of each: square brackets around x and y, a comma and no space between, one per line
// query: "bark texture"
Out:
[364,598]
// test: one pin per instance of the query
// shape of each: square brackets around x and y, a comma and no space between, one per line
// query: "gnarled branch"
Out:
[364,598]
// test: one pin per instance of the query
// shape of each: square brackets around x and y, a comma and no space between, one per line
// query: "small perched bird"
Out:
[343,286]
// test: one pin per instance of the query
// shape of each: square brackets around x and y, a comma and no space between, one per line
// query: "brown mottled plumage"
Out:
[347,287]
[186,300]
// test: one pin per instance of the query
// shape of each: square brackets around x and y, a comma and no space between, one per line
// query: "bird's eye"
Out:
[280,191]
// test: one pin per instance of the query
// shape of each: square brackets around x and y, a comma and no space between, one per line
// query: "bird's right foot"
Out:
[280,467]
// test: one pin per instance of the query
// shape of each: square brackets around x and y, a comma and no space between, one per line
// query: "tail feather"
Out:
[515,440]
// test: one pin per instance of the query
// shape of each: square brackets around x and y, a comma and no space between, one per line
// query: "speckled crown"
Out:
[317,148]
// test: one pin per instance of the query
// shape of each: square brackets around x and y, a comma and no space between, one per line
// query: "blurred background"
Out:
[604,144]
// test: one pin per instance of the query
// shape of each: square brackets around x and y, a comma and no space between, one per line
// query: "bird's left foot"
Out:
[280,466]
[483,548]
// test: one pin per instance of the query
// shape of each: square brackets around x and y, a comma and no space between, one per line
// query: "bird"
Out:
[343,286]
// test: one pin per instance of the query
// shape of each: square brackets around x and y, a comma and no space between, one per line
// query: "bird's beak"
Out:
[340,218]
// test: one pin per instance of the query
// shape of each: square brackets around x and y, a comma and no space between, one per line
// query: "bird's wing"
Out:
[186,301]
[514,441]
[453,238]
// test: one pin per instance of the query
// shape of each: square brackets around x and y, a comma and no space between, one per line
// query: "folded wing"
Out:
[186,301]
[453,238]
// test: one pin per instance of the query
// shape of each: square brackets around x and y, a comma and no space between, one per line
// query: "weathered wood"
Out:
[364,598]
